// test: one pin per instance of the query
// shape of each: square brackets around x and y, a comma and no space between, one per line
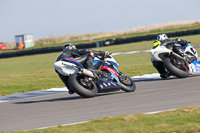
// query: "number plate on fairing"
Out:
[107,86]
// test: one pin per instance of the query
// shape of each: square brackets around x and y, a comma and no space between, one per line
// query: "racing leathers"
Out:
[85,56]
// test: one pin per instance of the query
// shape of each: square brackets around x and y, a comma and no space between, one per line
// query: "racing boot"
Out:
[87,80]
[96,72]
[165,75]
[71,92]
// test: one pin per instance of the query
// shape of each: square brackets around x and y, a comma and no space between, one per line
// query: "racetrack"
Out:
[62,108]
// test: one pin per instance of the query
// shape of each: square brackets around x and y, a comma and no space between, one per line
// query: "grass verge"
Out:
[184,120]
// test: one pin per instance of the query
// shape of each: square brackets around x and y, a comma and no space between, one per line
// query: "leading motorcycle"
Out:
[175,64]
[87,84]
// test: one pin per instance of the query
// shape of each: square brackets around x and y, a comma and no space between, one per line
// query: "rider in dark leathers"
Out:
[84,56]
[176,45]
[70,50]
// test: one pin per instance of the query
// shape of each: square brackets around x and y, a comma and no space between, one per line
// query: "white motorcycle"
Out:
[108,78]
[175,64]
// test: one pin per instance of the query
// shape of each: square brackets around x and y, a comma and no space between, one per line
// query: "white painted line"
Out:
[131,52]
[18,96]
[64,125]
[155,112]
[146,77]
[58,89]
[3,101]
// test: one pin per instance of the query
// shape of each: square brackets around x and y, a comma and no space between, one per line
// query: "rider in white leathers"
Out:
[177,46]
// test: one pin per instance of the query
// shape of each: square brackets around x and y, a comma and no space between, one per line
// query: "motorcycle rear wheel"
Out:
[174,70]
[75,84]
[127,84]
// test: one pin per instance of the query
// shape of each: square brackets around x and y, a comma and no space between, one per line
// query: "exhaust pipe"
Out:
[176,55]
[88,73]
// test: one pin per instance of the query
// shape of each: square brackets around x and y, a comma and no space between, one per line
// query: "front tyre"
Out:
[76,83]
[180,71]
[127,84]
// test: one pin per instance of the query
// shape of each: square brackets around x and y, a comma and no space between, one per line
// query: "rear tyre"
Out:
[75,82]
[174,70]
[127,84]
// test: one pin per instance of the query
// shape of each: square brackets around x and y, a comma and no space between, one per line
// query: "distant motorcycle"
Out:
[108,78]
[175,64]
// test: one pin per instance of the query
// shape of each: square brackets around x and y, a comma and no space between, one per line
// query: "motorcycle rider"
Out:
[177,46]
[85,56]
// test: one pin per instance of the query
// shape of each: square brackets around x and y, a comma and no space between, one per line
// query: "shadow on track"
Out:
[50,100]
[151,79]
[147,79]
[68,98]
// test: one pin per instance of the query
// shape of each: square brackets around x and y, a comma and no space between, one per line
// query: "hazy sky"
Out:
[48,18]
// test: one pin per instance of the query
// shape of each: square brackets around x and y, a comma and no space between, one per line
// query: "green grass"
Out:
[27,73]
[184,120]
[36,72]
[135,64]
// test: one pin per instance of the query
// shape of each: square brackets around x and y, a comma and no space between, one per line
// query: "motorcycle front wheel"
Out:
[180,71]
[127,84]
[76,82]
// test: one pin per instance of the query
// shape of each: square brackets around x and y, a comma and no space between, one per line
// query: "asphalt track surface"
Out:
[62,108]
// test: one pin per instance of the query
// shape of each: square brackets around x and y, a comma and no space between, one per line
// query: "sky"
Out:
[50,18]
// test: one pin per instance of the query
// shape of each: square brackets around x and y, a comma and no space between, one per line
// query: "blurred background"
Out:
[56,21]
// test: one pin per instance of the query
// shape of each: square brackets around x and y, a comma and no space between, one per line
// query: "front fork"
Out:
[121,76]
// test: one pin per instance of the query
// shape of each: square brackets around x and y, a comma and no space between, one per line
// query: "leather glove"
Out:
[182,42]
[106,53]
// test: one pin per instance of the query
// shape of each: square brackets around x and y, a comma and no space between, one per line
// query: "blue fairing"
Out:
[106,64]
[95,61]
[114,63]
[187,44]
[115,77]
[115,68]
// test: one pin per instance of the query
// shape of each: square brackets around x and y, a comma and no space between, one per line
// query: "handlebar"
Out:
[104,57]
[109,56]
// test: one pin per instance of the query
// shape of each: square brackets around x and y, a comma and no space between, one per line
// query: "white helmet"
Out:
[162,37]
[69,46]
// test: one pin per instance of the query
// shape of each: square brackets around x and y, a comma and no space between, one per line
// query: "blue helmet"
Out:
[69,46]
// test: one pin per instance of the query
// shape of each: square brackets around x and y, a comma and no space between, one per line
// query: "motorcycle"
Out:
[175,64]
[85,83]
